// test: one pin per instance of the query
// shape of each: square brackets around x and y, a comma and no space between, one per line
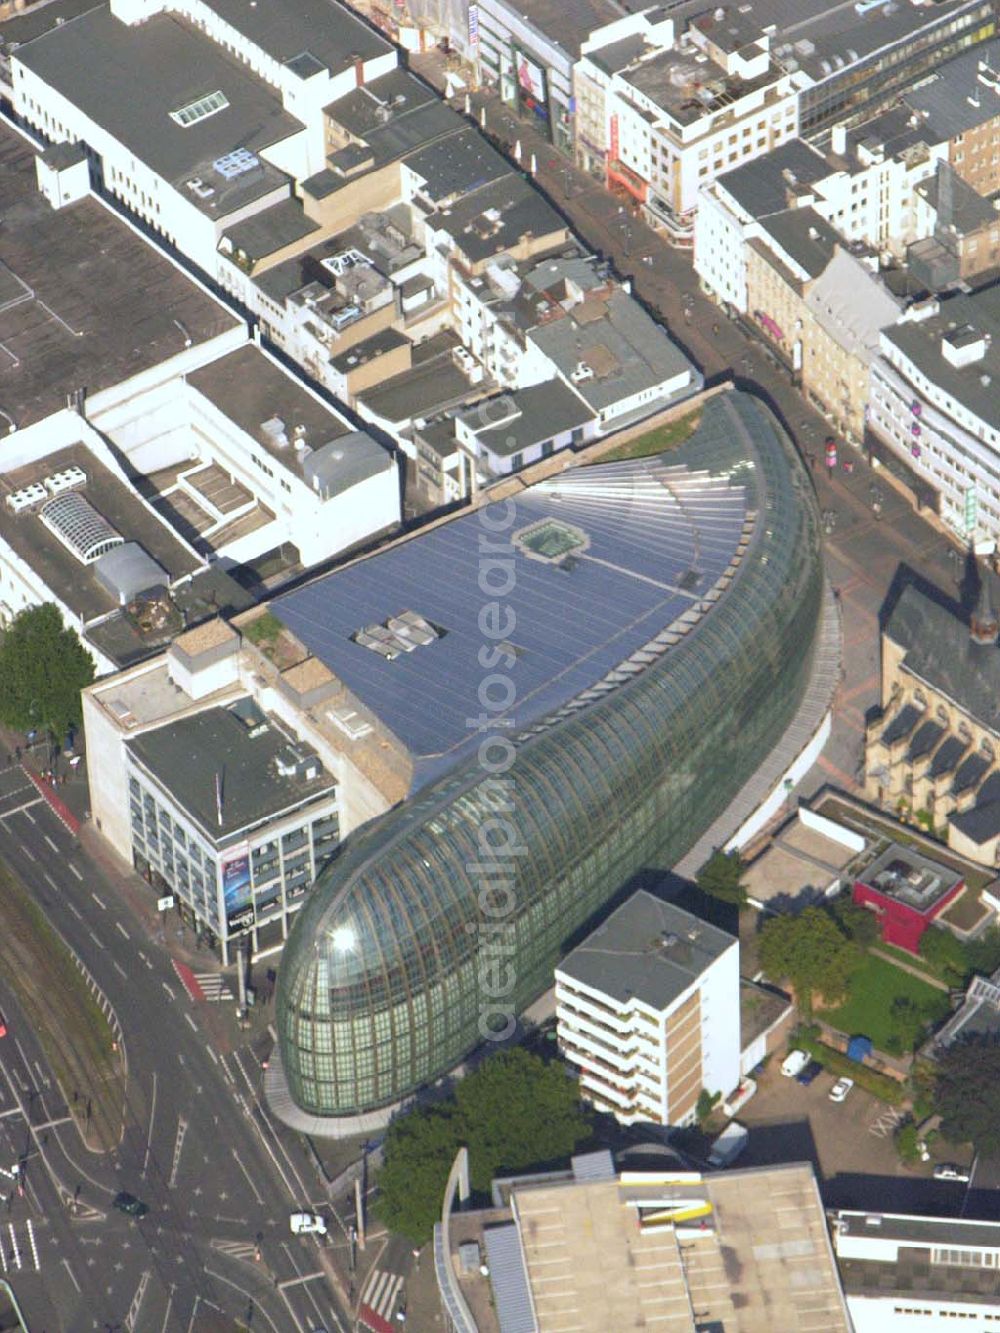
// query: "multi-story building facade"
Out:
[647,1010]
[934,407]
[960,107]
[906,1274]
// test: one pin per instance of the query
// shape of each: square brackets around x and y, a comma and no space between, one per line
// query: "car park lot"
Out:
[850,1137]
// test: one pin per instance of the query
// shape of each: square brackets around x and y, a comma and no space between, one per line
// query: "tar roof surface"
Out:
[647,949]
[458,164]
[185,756]
[75,272]
[575,621]
[761,186]
[76,584]
[921,342]
[516,210]
[525,417]
[272,229]
[250,389]
[129,79]
[568,23]
[321,28]
[805,237]
[944,100]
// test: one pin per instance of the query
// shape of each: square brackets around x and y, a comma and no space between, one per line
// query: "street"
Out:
[197,1147]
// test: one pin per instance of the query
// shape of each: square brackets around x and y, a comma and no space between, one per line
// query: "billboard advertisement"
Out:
[236,896]
[530,82]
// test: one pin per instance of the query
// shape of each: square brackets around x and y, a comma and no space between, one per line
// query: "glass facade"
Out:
[420,940]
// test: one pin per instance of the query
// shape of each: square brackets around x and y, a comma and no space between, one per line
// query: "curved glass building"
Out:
[446,915]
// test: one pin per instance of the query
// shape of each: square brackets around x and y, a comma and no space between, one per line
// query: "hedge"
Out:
[879,1085]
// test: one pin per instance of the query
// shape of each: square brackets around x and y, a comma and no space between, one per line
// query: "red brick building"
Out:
[907,891]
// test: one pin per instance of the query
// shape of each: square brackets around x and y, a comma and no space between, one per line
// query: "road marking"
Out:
[21,809]
[121,930]
[215,1058]
[98,901]
[50,881]
[74,911]
[28,815]
[149,1136]
[72,1277]
[52,1124]
[14,1251]
[170,1306]
[182,1126]
[74,871]
[250,1180]
[34,1247]
[53,845]
[306,1277]
[30,855]
[169,989]
[119,969]
[135,1307]
[191,1023]
[221,1277]
[96,940]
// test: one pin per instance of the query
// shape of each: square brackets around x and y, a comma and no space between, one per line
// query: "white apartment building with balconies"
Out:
[648,1010]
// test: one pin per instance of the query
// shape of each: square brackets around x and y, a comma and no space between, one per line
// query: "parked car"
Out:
[128,1203]
[794,1063]
[728,1146]
[839,1091]
[949,1171]
[307,1224]
[811,1072]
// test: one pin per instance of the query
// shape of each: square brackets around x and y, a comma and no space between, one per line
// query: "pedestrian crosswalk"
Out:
[381,1292]
[19,1248]
[214,988]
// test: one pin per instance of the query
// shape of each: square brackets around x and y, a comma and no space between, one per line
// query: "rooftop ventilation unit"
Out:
[582,372]
[26,498]
[236,163]
[199,189]
[274,431]
[67,480]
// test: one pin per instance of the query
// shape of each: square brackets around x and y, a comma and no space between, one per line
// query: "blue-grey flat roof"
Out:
[657,537]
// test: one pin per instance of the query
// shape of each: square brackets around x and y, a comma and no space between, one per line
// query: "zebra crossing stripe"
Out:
[381,1291]
[15,1252]
[212,986]
[34,1247]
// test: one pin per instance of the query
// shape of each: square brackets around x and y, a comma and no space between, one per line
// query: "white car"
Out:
[839,1091]
[307,1224]
[794,1063]
[947,1171]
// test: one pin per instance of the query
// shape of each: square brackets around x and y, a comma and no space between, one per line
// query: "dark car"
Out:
[128,1203]
[812,1070]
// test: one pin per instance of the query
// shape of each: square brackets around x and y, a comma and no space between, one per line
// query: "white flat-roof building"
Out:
[648,1009]
[917,1273]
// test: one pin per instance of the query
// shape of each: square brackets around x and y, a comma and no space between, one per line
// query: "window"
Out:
[189,115]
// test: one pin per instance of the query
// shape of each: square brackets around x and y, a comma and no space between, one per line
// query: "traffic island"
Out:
[74,1024]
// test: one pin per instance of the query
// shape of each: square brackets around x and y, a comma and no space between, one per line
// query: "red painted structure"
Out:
[905,910]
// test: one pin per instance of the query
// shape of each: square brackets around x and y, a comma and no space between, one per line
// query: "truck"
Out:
[728,1146]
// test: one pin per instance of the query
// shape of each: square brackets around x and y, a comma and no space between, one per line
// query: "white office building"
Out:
[905,1274]
[935,390]
[648,1010]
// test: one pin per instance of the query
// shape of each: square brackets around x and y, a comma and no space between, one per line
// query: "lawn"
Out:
[867,1011]
[655,441]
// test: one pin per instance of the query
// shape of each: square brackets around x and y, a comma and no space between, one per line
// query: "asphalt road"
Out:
[197,1147]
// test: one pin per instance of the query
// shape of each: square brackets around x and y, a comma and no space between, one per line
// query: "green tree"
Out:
[811,952]
[706,1104]
[43,668]
[946,952]
[515,1111]
[982,952]
[906,1144]
[857,923]
[909,1022]
[722,877]
[419,1150]
[966,1079]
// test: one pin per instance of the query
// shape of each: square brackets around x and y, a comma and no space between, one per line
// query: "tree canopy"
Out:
[514,1112]
[966,1079]
[811,952]
[722,877]
[43,668]
[946,952]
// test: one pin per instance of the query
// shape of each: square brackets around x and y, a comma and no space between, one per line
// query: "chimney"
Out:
[359,71]
[838,140]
